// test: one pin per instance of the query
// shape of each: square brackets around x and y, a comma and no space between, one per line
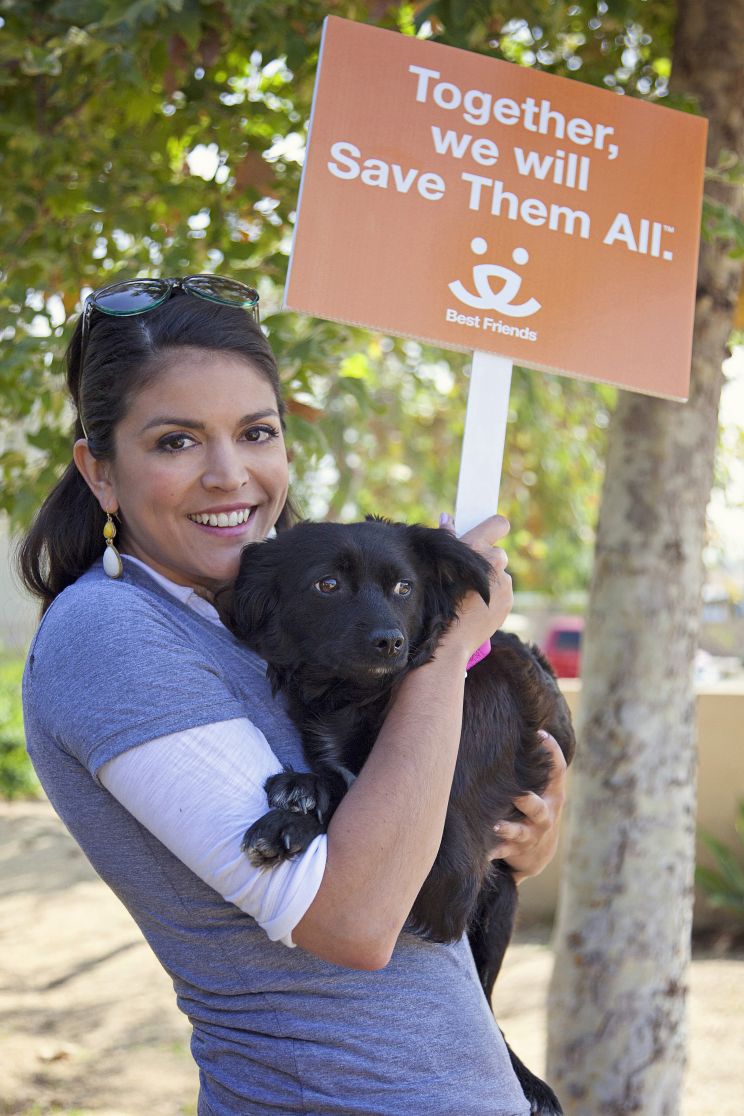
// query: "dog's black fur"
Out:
[342,613]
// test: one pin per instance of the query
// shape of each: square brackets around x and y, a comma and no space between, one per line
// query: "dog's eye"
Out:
[403,588]
[326,585]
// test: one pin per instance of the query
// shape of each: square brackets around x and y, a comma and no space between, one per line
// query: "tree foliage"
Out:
[167,136]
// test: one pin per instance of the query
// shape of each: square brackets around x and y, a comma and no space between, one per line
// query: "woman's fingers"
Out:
[555,792]
[536,811]
[487,534]
[502,599]
[477,621]
[484,538]
[528,845]
[498,558]
[516,838]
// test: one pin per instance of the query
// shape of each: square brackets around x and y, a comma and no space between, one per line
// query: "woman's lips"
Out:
[228,517]
[225,523]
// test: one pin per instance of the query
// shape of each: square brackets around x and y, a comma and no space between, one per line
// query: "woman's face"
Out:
[200,467]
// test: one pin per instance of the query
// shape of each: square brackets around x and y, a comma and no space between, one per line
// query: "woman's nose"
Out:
[226,468]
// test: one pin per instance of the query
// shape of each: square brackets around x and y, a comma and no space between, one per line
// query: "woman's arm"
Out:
[384,836]
[197,791]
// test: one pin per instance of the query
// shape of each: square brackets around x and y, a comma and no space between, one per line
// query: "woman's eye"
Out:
[173,442]
[403,588]
[326,585]
[261,433]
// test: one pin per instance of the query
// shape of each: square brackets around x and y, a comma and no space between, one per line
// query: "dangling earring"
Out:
[111,558]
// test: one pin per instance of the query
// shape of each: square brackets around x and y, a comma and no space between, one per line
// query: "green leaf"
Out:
[730,869]
[355,367]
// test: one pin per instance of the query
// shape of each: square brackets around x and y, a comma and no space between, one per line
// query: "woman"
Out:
[153,731]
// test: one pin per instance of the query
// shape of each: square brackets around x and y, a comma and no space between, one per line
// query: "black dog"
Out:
[341,613]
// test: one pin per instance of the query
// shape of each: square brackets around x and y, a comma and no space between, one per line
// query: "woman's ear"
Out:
[96,474]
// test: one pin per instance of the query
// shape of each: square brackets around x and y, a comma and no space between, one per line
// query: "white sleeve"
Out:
[197,791]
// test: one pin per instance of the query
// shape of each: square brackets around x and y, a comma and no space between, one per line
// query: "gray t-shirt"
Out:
[118,663]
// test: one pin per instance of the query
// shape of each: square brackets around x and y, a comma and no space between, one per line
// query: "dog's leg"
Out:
[441,919]
[543,1101]
[300,792]
[449,893]
[489,934]
[492,924]
[309,792]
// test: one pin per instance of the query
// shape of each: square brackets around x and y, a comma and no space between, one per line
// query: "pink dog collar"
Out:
[482,651]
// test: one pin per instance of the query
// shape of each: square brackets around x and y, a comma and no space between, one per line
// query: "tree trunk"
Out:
[617,1000]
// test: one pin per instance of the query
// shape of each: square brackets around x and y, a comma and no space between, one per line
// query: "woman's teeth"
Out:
[223,519]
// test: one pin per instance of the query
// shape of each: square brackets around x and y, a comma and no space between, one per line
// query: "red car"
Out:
[561,645]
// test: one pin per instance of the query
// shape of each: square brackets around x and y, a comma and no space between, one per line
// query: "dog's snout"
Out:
[387,642]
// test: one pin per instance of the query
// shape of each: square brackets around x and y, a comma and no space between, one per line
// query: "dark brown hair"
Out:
[122,356]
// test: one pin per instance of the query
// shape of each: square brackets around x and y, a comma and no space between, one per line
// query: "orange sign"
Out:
[480,205]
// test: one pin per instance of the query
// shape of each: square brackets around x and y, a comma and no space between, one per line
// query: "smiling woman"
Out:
[193,479]
[154,730]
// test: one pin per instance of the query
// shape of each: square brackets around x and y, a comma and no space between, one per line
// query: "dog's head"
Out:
[352,601]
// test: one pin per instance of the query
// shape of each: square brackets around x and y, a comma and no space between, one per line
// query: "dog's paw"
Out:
[279,835]
[300,792]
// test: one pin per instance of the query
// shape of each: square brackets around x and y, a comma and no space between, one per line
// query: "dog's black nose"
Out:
[387,642]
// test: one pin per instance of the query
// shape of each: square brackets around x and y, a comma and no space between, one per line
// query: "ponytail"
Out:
[64,540]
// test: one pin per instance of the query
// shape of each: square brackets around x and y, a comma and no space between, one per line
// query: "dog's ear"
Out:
[451,567]
[555,714]
[255,594]
[450,570]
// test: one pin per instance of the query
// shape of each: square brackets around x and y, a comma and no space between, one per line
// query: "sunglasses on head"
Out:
[138,296]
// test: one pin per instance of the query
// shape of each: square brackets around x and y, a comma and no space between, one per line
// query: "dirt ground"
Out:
[88,1022]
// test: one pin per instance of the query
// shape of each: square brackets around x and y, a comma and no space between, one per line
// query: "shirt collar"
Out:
[183,593]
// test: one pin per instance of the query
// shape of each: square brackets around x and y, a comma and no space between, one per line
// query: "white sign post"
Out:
[483,442]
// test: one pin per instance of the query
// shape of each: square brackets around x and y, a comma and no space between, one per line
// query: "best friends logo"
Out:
[500,299]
